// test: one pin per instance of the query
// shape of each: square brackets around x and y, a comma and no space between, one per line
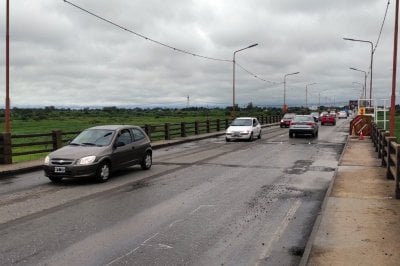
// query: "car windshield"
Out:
[303,119]
[94,137]
[289,116]
[242,122]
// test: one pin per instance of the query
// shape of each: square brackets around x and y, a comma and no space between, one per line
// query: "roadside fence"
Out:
[19,145]
[389,152]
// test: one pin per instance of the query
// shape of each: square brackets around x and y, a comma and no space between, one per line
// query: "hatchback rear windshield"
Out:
[242,122]
[94,137]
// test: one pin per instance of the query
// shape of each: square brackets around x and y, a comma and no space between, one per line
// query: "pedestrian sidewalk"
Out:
[360,218]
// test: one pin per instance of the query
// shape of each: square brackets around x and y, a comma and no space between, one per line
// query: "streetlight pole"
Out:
[365,80]
[393,96]
[372,59]
[319,98]
[233,86]
[7,112]
[284,90]
[307,92]
[363,88]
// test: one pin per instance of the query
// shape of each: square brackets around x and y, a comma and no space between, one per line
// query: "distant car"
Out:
[342,114]
[332,113]
[303,125]
[328,119]
[97,151]
[322,114]
[243,128]
[286,119]
[315,115]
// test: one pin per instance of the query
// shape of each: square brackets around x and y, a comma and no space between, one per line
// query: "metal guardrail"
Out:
[28,144]
[389,152]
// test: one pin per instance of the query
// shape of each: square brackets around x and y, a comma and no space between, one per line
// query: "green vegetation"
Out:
[26,121]
[45,120]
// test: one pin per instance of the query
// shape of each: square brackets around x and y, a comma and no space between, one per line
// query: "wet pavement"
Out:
[359,221]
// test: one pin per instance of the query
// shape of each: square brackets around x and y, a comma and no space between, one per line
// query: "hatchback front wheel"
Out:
[103,172]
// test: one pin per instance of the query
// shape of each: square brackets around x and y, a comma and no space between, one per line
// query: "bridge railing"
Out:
[389,152]
[18,145]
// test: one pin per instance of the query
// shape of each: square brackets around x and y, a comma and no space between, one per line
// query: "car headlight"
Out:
[87,160]
[282,121]
[47,160]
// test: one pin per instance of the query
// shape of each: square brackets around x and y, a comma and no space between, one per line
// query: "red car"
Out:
[286,119]
[328,119]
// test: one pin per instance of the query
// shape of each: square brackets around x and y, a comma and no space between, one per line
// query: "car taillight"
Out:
[292,123]
[311,124]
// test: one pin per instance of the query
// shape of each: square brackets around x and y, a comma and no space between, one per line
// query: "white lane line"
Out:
[132,251]
[201,206]
[285,222]
[173,223]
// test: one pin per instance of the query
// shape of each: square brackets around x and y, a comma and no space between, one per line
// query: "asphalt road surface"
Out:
[206,202]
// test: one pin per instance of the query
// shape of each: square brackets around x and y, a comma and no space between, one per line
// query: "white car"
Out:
[243,128]
[342,114]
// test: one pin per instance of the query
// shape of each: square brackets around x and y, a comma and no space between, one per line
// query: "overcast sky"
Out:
[63,56]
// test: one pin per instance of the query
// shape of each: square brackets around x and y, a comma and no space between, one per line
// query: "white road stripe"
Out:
[279,231]
[132,251]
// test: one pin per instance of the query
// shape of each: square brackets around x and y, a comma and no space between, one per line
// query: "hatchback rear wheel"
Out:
[147,161]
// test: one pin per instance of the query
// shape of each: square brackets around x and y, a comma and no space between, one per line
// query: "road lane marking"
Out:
[285,222]
[201,206]
[173,223]
[132,251]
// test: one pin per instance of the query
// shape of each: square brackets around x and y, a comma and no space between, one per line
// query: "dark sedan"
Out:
[303,125]
[98,151]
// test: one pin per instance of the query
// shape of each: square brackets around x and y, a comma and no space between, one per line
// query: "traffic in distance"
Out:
[98,151]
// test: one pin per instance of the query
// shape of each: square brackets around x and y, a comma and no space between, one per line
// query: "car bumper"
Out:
[235,136]
[302,131]
[285,124]
[70,170]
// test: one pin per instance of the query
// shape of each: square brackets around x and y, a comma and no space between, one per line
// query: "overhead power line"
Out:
[143,36]
[254,75]
[163,44]
[383,23]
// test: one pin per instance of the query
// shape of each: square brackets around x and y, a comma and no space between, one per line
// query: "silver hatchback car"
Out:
[98,151]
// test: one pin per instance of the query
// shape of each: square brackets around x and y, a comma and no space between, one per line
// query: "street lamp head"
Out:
[253,45]
[352,68]
[348,39]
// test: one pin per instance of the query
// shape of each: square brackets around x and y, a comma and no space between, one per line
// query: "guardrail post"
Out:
[389,161]
[166,131]
[196,128]
[226,123]
[147,129]
[5,146]
[208,126]
[397,176]
[57,139]
[380,142]
[183,129]
[218,125]
[384,147]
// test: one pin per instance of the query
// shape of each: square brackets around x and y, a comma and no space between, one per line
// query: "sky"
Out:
[63,56]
